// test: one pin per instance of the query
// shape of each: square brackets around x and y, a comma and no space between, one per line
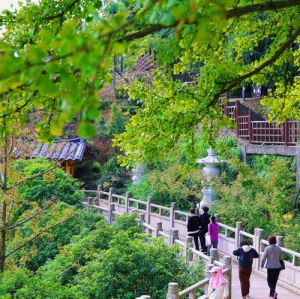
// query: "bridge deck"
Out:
[259,287]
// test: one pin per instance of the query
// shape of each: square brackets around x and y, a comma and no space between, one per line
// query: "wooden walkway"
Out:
[259,287]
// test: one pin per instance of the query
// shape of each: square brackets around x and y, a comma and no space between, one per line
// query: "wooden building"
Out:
[68,151]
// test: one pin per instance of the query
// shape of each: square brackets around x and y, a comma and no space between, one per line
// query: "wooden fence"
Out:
[259,131]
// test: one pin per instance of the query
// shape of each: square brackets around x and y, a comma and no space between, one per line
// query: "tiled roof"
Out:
[64,149]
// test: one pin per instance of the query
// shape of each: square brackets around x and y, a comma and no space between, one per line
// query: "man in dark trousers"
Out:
[204,221]
[193,227]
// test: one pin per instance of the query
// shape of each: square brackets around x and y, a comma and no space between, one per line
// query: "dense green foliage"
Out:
[42,188]
[263,195]
[111,261]
[112,175]
[47,247]
[54,59]
[177,180]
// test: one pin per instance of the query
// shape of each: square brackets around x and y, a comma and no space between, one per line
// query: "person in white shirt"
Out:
[218,284]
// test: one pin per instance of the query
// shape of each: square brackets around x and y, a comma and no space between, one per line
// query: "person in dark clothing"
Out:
[193,227]
[204,221]
[246,255]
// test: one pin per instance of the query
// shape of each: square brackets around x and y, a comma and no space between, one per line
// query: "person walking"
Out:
[218,284]
[271,260]
[246,255]
[193,227]
[213,231]
[204,221]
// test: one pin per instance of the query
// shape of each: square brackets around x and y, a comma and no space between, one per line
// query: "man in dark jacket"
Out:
[246,255]
[204,221]
[193,227]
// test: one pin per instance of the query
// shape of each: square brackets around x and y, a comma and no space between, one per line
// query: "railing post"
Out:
[90,200]
[238,228]
[172,214]
[192,295]
[188,245]
[279,240]
[141,220]
[98,194]
[228,265]
[250,124]
[208,275]
[172,291]
[127,201]
[237,116]
[148,210]
[158,228]
[110,195]
[173,236]
[258,235]
[214,255]
[286,131]
[227,233]
[111,209]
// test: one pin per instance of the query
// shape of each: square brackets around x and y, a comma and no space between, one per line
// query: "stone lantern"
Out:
[211,171]
[138,173]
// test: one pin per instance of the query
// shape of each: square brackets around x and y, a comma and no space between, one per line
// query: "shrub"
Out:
[53,183]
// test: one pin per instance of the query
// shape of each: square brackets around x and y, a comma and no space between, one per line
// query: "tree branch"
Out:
[268,62]
[18,109]
[40,233]
[63,12]
[33,216]
[270,5]
[148,30]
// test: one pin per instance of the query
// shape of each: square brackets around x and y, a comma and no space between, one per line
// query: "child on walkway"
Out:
[246,255]
[218,284]
[213,231]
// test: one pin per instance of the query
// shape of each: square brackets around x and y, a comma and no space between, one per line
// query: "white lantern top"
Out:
[211,159]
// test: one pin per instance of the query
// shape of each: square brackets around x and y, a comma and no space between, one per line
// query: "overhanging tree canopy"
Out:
[56,55]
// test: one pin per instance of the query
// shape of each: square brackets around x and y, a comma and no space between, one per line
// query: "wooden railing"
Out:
[171,225]
[261,131]
[146,62]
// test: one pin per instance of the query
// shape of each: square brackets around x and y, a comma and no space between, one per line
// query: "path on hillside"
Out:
[259,288]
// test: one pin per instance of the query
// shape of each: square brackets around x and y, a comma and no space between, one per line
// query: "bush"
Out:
[112,261]
[176,183]
[258,200]
[50,184]
[113,175]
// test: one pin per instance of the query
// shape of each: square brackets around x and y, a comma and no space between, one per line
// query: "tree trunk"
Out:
[3,238]
[3,212]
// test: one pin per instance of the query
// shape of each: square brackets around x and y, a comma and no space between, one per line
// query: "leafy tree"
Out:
[112,261]
[261,197]
[112,175]
[66,55]
[48,247]
[20,226]
[42,188]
